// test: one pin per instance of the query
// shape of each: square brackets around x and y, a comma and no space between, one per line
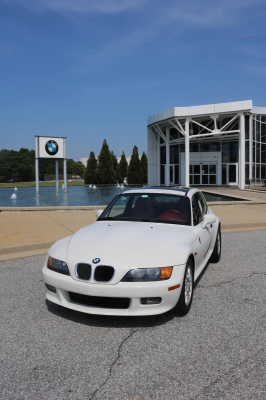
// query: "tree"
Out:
[123,166]
[116,167]
[105,170]
[90,170]
[134,175]
[144,167]
[79,168]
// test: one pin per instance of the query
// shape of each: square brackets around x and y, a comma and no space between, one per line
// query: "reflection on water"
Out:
[75,196]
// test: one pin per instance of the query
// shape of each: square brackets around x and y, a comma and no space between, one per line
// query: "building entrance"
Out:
[232,174]
[202,174]
[174,174]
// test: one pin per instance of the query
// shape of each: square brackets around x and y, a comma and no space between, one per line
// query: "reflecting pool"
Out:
[75,196]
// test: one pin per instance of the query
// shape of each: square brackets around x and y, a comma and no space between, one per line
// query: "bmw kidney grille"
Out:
[103,273]
[83,271]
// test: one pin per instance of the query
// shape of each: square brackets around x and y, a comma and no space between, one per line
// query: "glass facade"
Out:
[259,147]
[207,173]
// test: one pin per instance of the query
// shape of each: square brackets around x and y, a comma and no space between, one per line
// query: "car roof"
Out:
[177,190]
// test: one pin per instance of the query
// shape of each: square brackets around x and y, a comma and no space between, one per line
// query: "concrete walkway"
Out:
[31,231]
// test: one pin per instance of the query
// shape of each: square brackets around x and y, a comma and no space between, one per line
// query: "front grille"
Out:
[103,273]
[83,271]
[102,302]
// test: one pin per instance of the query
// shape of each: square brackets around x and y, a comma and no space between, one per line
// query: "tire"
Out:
[186,296]
[216,254]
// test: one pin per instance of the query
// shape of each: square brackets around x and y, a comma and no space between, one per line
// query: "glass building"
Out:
[216,144]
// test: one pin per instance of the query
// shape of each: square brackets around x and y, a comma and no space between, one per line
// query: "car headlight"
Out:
[148,274]
[57,266]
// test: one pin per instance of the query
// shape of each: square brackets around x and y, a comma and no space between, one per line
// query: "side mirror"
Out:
[98,213]
[208,219]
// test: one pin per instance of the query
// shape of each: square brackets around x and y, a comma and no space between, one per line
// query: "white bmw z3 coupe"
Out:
[141,257]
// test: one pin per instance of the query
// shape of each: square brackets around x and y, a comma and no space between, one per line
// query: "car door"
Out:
[202,236]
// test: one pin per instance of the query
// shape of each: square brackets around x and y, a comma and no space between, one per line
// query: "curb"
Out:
[26,247]
[46,245]
[54,208]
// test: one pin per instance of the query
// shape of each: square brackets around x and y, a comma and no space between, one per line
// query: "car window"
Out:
[152,207]
[203,203]
[197,209]
[119,207]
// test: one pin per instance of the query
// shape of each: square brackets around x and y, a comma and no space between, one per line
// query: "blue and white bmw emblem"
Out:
[51,147]
[96,260]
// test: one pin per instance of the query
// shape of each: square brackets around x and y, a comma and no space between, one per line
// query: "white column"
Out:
[187,152]
[37,163]
[158,160]
[167,166]
[56,176]
[242,151]
[250,145]
[65,167]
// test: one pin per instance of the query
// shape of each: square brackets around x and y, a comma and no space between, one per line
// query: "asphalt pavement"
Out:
[217,351]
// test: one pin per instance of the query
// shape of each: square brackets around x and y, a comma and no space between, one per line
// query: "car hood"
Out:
[126,245]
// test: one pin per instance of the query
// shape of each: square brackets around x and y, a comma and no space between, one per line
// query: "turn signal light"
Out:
[166,272]
[173,288]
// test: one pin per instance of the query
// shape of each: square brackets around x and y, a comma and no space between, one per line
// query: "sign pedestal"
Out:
[51,147]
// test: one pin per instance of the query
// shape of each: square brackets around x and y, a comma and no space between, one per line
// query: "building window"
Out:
[174,154]
[208,147]
[174,134]
[230,152]
[247,151]
[194,147]
[163,154]
[162,170]
[246,174]
[247,127]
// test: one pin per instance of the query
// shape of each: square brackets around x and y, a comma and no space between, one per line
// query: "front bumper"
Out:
[132,290]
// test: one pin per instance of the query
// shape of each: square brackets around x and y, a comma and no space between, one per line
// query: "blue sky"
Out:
[97,69]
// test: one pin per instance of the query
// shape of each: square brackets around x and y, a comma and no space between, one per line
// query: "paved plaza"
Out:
[216,352]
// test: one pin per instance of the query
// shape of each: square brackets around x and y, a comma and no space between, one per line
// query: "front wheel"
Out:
[186,296]
[216,254]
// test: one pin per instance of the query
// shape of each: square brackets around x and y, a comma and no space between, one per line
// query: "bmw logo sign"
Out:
[96,260]
[51,147]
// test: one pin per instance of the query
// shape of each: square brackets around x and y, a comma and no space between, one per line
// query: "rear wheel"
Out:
[216,254]
[186,296]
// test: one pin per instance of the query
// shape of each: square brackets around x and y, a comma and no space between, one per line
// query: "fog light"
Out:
[51,288]
[150,300]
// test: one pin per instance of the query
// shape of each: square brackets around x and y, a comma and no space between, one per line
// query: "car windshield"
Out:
[149,207]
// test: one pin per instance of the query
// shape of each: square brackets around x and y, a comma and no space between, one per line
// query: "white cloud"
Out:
[259,70]
[84,6]
[210,13]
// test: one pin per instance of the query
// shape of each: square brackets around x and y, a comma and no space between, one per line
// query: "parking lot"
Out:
[216,352]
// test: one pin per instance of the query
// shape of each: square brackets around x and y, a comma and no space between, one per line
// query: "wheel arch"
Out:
[191,257]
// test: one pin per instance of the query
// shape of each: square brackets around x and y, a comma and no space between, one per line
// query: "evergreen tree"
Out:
[144,167]
[123,166]
[78,168]
[116,168]
[90,170]
[134,175]
[105,170]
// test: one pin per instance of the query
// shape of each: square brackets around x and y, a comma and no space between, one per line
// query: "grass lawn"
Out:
[78,182]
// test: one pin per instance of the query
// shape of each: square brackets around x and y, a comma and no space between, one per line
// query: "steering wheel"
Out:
[172,214]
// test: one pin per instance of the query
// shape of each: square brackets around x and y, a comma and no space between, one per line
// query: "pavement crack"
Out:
[232,280]
[131,333]
[53,219]
[232,369]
